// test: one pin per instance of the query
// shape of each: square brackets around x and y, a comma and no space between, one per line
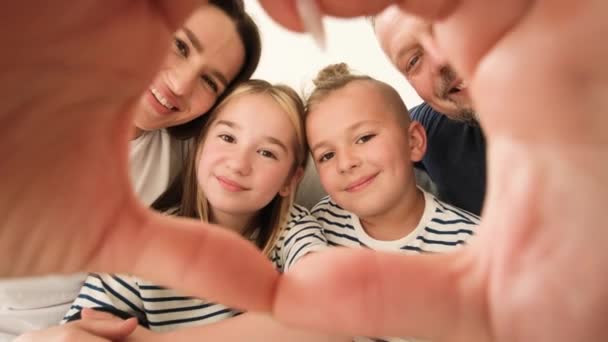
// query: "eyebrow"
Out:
[199,48]
[193,39]
[272,140]
[349,129]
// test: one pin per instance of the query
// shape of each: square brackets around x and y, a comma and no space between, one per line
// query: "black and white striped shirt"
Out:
[442,228]
[161,309]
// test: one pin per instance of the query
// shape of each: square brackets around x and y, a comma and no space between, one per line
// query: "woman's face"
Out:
[206,55]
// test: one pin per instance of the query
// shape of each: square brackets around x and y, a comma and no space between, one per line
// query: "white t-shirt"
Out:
[35,303]
[155,159]
[28,304]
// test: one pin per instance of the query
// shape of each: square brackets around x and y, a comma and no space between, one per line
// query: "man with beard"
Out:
[456,152]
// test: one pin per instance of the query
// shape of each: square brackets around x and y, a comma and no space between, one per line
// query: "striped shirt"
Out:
[442,228]
[161,309]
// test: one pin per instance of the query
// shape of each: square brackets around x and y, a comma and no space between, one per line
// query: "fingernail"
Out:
[312,20]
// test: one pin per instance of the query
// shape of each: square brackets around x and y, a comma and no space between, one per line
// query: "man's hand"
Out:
[539,80]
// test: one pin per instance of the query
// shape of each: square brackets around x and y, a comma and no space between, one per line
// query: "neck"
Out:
[235,222]
[136,132]
[399,220]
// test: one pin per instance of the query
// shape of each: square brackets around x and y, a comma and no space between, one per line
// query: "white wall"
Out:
[294,59]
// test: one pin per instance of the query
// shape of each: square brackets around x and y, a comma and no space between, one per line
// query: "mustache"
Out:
[448,75]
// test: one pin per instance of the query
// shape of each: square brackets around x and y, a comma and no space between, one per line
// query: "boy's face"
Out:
[362,150]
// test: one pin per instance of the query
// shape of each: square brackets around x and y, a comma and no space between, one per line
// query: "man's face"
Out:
[433,79]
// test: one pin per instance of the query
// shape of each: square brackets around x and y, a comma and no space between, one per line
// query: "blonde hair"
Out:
[337,76]
[273,217]
[330,78]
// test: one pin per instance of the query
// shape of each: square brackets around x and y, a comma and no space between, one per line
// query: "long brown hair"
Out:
[186,198]
[250,37]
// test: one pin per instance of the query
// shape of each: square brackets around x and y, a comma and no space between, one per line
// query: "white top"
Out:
[33,303]
[155,158]
[442,228]
[39,302]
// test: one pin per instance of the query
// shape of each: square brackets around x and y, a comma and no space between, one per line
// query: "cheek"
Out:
[424,86]
[274,178]
[201,171]
[328,178]
[201,101]
[207,159]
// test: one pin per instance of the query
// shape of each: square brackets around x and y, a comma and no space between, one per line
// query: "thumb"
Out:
[111,329]
[285,12]
[377,294]
[191,256]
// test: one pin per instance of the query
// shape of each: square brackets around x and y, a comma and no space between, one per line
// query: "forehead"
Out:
[357,101]
[258,114]
[207,21]
[397,31]
[219,38]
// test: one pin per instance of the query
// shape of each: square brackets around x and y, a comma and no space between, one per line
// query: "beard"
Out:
[467,114]
[464,112]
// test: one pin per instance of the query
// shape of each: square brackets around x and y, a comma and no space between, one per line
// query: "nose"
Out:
[348,161]
[240,162]
[432,52]
[182,79]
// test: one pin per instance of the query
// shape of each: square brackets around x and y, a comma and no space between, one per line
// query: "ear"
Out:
[417,141]
[292,182]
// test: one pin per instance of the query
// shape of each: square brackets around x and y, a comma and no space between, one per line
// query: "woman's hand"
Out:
[71,75]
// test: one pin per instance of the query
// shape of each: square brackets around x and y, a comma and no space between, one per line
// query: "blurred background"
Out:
[294,59]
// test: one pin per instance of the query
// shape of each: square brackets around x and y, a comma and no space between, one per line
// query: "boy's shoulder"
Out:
[298,215]
[329,213]
[447,214]
[327,206]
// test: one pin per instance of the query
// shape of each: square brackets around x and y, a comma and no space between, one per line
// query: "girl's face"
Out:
[247,156]
[207,53]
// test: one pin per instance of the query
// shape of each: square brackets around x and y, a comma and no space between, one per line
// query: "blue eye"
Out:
[413,62]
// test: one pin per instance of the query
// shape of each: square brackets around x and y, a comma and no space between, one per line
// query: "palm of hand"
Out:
[543,220]
[65,132]
[532,274]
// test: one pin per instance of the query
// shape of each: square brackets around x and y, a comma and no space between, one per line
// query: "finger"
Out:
[92,314]
[176,12]
[109,329]
[473,27]
[201,259]
[286,14]
[374,294]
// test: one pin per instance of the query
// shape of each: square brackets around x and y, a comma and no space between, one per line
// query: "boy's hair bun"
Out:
[331,73]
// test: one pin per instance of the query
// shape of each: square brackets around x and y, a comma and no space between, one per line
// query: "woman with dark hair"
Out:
[216,49]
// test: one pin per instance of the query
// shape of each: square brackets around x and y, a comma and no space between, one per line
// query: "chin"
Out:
[364,210]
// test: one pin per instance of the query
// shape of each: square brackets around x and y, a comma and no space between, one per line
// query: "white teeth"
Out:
[161,98]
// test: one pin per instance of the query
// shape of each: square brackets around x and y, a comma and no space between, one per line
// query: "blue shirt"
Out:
[455,158]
